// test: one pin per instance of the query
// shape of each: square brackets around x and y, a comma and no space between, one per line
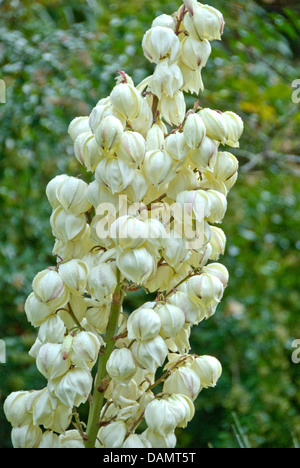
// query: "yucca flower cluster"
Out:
[148,153]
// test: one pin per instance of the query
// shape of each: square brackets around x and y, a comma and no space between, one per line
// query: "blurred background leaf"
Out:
[58,58]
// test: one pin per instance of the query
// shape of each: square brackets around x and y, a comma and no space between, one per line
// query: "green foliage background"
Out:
[58,58]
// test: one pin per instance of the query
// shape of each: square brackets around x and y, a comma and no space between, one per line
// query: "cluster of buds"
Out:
[148,220]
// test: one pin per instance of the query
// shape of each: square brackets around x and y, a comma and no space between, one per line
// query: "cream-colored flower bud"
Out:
[36,311]
[52,330]
[126,100]
[204,156]
[49,440]
[74,274]
[235,127]
[143,324]
[26,436]
[158,440]
[136,441]
[208,369]
[72,195]
[218,204]
[136,265]
[73,388]
[150,354]
[225,166]
[128,232]
[66,347]
[217,242]
[49,288]
[191,5]
[102,281]
[78,126]
[113,435]
[172,320]
[50,361]
[218,270]
[194,131]
[132,148]
[159,417]
[115,174]
[122,77]
[67,226]
[204,23]
[191,310]
[159,43]
[159,167]
[121,365]
[18,408]
[184,381]
[176,145]
[109,133]
[165,21]
[173,109]
[51,189]
[167,79]
[155,138]
[182,407]
[87,151]
[204,289]
[195,53]
[71,440]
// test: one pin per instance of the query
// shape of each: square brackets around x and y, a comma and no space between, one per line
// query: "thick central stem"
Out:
[98,396]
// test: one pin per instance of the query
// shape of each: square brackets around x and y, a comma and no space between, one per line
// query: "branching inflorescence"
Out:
[146,221]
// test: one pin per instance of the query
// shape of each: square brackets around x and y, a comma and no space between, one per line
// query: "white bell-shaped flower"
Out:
[204,23]
[160,42]
[150,354]
[113,435]
[159,417]
[73,388]
[208,369]
[78,126]
[121,365]
[172,320]
[137,265]
[184,381]
[50,289]
[26,436]
[115,174]
[109,133]
[143,324]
